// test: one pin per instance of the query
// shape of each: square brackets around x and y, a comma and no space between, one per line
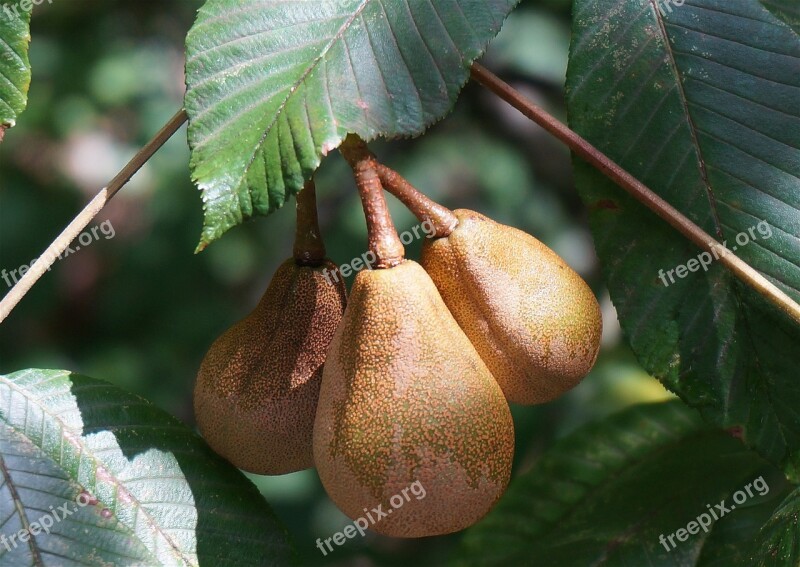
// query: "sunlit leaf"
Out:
[154,493]
[273,86]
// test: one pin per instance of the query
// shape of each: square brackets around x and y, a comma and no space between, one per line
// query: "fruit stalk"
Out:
[309,249]
[383,240]
[425,209]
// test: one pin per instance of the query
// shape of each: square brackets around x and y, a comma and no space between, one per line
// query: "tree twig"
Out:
[74,228]
[638,190]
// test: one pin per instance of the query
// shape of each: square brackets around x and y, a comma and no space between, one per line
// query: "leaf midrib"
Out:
[26,525]
[745,322]
[300,80]
[67,434]
[684,99]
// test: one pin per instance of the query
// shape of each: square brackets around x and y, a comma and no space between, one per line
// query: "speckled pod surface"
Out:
[257,388]
[534,321]
[405,398]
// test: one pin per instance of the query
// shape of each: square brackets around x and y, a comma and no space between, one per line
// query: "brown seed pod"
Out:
[534,321]
[257,388]
[406,399]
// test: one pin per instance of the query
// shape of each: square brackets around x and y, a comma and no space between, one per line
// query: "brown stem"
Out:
[147,151]
[74,228]
[383,240]
[309,249]
[638,190]
[425,209]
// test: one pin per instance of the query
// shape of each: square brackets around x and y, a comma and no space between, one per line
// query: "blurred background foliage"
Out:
[140,309]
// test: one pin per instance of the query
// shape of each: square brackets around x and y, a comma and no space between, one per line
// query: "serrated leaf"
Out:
[159,495]
[702,104]
[606,493]
[786,10]
[15,69]
[272,86]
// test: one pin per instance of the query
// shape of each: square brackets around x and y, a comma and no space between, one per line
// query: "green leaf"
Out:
[606,493]
[779,540]
[33,490]
[15,69]
[159,495]
[702,104]
[272,86]
[786,10]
